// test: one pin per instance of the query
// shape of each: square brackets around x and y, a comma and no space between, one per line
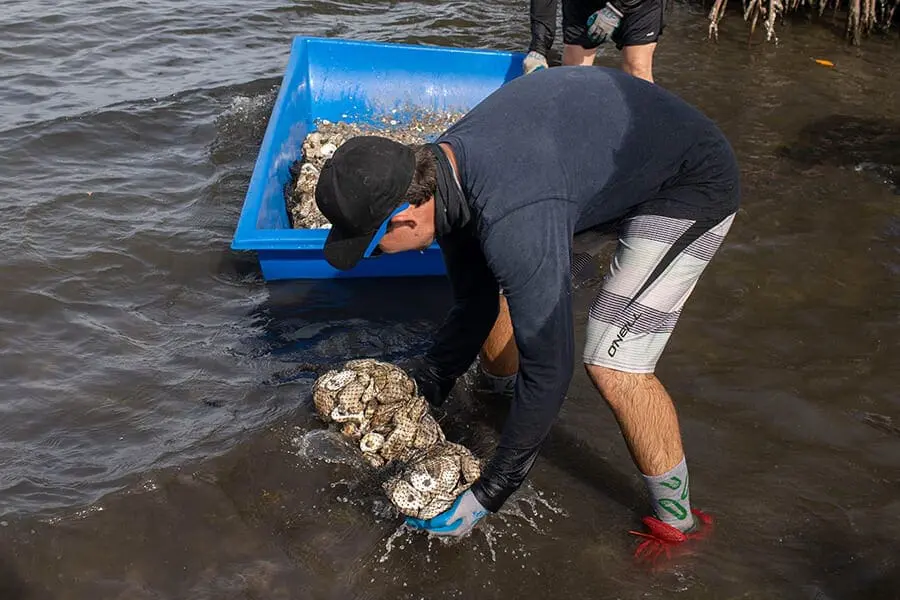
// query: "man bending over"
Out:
[547,159]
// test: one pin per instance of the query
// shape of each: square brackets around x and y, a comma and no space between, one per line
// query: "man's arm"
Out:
[530,252]
[476,304]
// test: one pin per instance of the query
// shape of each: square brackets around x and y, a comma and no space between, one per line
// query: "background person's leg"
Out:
[542,15]
[576,56]
[638,61]
[638,36]
[578,50]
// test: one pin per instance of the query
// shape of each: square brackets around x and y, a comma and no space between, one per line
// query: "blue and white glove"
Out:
[457,521]
[603,23]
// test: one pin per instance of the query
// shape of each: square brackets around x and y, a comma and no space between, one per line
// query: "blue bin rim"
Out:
[300,39]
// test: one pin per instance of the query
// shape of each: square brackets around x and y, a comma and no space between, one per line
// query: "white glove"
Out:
[603,23]
[534,61]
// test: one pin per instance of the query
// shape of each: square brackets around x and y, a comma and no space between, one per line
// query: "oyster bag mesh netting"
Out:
[377,405]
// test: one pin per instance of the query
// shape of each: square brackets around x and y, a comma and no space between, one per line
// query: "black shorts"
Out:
[642,26]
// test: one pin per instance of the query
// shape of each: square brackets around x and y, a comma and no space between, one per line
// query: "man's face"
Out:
[411,229]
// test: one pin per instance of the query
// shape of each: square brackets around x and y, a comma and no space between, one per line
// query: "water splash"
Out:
[534,499]
[499,533]
[248,111]
[240,126]
[324,445]
[389,544]
[488,531]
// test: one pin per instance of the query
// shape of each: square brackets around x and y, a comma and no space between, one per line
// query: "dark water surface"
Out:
[156,436]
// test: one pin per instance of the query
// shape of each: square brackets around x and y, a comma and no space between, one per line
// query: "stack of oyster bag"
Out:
[378,406]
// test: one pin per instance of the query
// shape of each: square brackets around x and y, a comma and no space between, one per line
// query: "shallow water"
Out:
[156,438]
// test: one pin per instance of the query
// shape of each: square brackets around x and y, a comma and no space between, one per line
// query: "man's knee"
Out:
[576,56]
[614,384]
[641,72]
[638,61]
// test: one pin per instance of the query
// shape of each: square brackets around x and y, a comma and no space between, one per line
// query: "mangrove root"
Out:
[863,16]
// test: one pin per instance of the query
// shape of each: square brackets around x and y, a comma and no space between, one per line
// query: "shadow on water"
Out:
[562,449]
[238,268]
[291,309]
[375,299]
[570,454]
[312,326]
[12,587]
[864,144]
[852,564]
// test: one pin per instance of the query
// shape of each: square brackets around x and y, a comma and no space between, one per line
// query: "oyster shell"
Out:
[321,144]
[378,404]
[436,477]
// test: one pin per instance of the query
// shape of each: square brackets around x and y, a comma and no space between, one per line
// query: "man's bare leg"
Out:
[638,61]
[574,55]
[646,416]
[649,424]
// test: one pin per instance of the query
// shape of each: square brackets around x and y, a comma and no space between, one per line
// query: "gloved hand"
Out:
[603,23]
[434,388]
[457,521]
[534,61]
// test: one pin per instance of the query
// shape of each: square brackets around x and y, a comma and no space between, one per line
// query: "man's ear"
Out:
[409,219]
[420,213]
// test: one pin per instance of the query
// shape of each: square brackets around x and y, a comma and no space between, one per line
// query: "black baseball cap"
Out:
[358,189]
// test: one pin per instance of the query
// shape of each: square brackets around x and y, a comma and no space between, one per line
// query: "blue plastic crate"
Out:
[341,80]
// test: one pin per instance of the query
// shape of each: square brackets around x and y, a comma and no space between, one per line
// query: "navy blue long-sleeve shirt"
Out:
[548,155]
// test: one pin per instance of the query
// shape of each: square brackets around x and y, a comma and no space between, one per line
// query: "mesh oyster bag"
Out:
[377,405]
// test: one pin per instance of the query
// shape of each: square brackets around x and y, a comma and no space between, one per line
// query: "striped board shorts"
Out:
[656,264]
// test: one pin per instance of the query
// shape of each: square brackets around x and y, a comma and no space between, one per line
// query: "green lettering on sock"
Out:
[674,508]
[670,496]
[673,484]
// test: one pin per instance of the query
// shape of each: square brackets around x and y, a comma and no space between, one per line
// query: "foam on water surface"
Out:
[324,445]
[249,110]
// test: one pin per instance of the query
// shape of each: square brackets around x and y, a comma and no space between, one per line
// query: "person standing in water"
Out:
[628,157]
[633,25]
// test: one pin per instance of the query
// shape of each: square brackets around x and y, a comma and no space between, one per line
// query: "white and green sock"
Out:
[671,496]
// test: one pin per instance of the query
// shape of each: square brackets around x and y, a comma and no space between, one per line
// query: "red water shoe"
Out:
[662,538]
